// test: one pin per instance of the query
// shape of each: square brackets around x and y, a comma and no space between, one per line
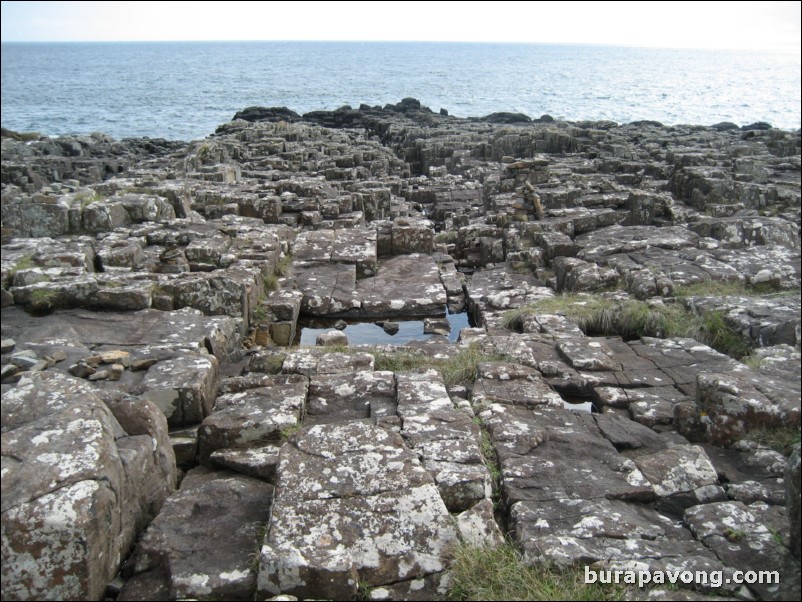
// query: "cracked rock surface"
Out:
[165,437]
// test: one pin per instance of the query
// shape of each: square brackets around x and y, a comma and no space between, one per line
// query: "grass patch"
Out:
[720,336]
[43,295]
[283,266]
[23,263]
[87,198]
[732,288]
[259,312]
[455,370]
[776,536]
[271,283]
[781,439]
[753,362]
[734,534]
[400,361]
[42,301]
[500,574]
[288,431]
[446,237]
[521,267]
[632,319]
[490,457]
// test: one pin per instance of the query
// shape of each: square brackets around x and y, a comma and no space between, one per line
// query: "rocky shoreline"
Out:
[163,438]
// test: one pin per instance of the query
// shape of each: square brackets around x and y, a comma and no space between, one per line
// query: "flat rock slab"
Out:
[596,245]
[592,518]
[552,453]
[742,541]
[185,330]
[493,291]
[206,535]
[350,396]
[353,507]
[328,289]
[253,417]
[407,285]
[260,462]
[354,246]
[446,439]
[734,406]
[651,555]
[589,354]
[629,437]
[511,384]
[681,469]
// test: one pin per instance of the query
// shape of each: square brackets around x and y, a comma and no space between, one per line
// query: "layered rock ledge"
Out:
[622,396]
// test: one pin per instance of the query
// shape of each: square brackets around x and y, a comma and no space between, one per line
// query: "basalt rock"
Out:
[147,284]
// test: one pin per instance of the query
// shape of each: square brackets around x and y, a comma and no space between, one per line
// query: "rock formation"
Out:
[164,436]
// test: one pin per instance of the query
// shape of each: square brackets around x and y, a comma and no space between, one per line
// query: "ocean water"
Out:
[184,90]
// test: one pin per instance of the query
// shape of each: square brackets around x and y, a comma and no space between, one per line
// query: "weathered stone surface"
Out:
[430,587]
[332,338]
[206,535]
[592,354]
[681,476]
[511,384]
[77,488]
[477,525]
[183,388]
[260,462]
[733,407]
[542,452]
[446,439]
[494,291]
[408,285]
[185,329]
[253,417]
[629,437]
[412,236]
[363,512]
[328,290]
[335,215]
[349,396]
[738,538]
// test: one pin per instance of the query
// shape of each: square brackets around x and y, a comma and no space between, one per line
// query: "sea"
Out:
[184,90]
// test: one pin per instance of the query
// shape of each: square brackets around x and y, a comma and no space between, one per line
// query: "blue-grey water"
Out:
[183,90]
[370,333]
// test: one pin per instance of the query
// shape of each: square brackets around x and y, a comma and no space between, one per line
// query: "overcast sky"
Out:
[750,25]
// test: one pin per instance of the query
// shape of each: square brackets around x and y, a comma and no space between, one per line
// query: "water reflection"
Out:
[370,333]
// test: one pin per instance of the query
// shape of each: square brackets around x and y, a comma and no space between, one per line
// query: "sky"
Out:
[745,25]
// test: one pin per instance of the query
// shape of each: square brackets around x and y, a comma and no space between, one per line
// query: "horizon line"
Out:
[369,41]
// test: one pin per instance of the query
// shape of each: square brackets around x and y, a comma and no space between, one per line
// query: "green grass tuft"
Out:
[259,312]
[455,370]
[288,431]
[23,263]
[631,318]
[87,198]
[446,237]
[270,283]
[43,295]
[732,288]
[781,439]
[500,574]
[490,457]
[283,266]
